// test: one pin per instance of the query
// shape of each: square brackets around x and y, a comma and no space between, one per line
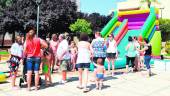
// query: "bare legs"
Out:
[111,60]
[13,78]
[80,76]
[99,83]
[29,75]
[36,79]
[83,82]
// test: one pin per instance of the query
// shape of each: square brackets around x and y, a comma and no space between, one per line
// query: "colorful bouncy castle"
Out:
[143,23]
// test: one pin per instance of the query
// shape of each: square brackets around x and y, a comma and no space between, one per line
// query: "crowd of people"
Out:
[47,55]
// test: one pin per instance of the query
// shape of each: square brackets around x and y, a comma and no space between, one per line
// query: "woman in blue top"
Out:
[98,46]
[99,50]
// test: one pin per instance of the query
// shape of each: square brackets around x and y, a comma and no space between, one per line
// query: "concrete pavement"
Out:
[132,84]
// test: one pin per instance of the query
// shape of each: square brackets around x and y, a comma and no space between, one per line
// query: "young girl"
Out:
[100,71]
[46,67]
[14,61]
[73,51]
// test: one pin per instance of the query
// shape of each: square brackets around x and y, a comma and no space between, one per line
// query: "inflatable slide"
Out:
[134,23]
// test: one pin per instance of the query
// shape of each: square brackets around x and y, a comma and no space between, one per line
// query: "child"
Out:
[100,71]
[46,67]
[16,55]
[73,51]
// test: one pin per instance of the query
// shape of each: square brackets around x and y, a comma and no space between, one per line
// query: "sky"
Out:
[100,6]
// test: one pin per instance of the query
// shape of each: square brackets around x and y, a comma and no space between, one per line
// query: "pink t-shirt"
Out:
[33,47]
[54,45]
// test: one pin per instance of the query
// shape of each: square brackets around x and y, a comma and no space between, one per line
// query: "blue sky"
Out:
[99,6]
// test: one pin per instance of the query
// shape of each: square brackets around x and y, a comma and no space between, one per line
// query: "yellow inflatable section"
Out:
[2,77]
[132,12]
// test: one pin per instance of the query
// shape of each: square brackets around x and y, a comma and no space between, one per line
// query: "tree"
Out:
[3,4]
[149,2]
[55,15]
[97,21]
[165,28]
[81,25]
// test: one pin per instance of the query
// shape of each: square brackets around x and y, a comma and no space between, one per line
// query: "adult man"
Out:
[63,56]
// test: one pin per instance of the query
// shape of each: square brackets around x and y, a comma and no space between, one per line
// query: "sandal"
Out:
[86,90]
[79,87]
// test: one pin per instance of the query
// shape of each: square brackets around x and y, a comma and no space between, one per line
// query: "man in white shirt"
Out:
[63,56]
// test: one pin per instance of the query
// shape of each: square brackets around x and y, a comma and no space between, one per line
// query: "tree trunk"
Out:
[3,38]
[13,37]
[149,4]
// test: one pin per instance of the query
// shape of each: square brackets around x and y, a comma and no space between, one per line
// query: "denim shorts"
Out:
[111,55]
[33,63]
[100,76]
[83,65]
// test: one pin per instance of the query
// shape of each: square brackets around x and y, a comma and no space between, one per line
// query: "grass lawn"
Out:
[167,54]
[4,53]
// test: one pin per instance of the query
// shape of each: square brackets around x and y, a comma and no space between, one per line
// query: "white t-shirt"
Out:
[16,50]
[83,55]
[63,46]
[112,47]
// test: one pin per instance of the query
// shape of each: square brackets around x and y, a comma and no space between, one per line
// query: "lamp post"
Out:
[161,8]
[38,14]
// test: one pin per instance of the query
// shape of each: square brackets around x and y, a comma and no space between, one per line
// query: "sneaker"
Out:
[63,82]
[113,74]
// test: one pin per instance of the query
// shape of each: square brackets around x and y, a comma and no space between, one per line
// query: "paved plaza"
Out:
[132,84]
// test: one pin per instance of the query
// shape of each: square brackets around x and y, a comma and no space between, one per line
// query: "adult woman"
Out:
[111,52]
[99,49]
[98,46]
[32,52]
[147,56]
[16,55]
[131,53]
[83,60]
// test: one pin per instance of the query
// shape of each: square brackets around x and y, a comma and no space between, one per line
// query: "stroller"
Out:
[24,76]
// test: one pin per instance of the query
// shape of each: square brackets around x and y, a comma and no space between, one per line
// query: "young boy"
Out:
[100,71]
[14,61]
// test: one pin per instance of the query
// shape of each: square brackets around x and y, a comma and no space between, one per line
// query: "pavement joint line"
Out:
[130,91]
[5,94]
[160,89]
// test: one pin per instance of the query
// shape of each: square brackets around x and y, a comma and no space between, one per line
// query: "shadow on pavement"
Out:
[4,82]
[93,86]
[71,79]
[109,78]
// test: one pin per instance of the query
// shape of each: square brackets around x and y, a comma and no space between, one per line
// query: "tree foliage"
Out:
[81,25]
[97,21]
[55,15]
[149,2]
[167,47]
[165,25]
[165,29]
